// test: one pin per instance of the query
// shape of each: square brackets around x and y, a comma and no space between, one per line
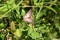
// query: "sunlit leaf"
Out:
[23,12]
[35,35]
[2,25]
[30,30]
[17,33]
[12,25]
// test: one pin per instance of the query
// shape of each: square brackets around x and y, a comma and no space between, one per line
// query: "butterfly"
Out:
[28,17]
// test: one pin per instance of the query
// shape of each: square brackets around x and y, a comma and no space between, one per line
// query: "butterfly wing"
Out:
[28,14]
[28,17]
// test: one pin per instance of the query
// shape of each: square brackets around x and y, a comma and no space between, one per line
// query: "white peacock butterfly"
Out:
[28,17]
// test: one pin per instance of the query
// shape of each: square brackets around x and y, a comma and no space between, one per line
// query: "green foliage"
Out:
[32,33]
[46,15]
[1,25]
[2,36]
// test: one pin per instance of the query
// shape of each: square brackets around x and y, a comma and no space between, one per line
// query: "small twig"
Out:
[29,6]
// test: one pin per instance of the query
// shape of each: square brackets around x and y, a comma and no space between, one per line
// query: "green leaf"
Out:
[40,14]
[35,1]
[3,8]
[0,0]
[2,36]
[51,8]
[30,30]
[23,12]
[17,33]
[10,4]
[35,35]
[1,25]
[18,12]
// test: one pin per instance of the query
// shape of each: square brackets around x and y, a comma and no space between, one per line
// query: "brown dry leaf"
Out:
[8,37]
[26,2]
[12,25]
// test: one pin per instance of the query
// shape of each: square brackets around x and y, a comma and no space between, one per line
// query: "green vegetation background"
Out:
[46,15]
